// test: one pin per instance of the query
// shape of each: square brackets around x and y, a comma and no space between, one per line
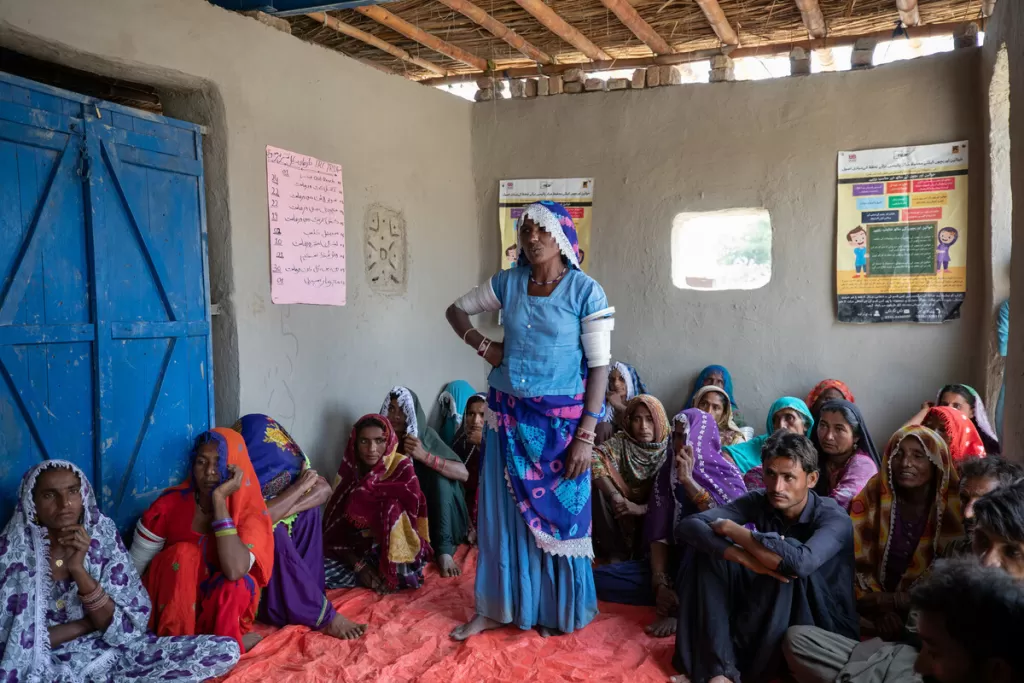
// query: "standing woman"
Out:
[534,568]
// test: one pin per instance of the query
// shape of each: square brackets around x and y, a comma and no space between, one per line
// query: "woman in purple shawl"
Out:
[695,478]
[294,493]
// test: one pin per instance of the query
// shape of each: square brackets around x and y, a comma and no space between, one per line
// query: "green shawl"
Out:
[748,455]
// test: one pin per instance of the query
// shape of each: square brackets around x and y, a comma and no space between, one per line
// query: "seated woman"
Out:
[716,376]
[624,384]
[715,402]
[453,407]
[967,401]
[439,471]
[696,478]
[469,444]
[827,390]
[294,493]
[958,431]
[786,413]
[623,474]
[74,608]
[846,454]
[208,545]
[375,526]
[902,520]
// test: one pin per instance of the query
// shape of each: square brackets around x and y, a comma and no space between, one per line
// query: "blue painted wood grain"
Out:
[105,350]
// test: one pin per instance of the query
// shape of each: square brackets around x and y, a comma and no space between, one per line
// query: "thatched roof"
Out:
[682,24]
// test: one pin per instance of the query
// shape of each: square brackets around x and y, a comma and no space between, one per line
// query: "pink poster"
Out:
[306,204]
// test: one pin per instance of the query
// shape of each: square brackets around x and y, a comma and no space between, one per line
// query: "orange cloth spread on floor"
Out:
[408,641]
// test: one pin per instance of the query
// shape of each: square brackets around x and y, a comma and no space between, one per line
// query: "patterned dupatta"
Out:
[959,432]
[386,501]
[630,464]
[874,514]
[26,585]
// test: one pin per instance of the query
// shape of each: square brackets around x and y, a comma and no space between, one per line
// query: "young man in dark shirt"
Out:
[741,588]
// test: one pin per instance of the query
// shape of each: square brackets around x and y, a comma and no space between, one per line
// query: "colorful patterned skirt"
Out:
[534,567]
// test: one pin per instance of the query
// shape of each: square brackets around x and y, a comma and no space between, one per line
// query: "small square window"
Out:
[720,250]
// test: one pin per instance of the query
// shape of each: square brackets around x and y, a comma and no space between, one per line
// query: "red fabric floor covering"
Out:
[408,641]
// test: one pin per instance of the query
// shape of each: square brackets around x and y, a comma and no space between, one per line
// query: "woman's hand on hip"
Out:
[579,458]
[495,353]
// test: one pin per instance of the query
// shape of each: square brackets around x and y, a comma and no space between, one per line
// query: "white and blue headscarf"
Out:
[554,219]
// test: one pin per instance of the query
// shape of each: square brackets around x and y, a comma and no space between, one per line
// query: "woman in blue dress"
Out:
[534,527]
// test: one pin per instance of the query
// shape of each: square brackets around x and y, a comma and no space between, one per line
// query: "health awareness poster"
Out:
[901,247]
[575,194]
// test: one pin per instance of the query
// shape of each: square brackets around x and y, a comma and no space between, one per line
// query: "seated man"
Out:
[979,477]
[744,588]
[816,656]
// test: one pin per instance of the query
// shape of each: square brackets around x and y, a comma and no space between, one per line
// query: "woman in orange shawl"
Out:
[958,431]
[375,526]
[902,520]
[208,544]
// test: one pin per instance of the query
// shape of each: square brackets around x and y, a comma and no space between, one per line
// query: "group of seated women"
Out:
[244,538]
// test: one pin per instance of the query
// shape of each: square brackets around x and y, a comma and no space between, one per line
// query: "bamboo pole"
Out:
[814,20]
[909,13]
[716,17]
[557,25]
[640,28]
[499,30]
[393,50]
[925,31]
[397,23]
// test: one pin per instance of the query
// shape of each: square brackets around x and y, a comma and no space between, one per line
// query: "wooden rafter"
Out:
[814,20]
[716,17]
[925,31]
[909,13]
[499,30]
[640,28]
[412,32]
[557,25]
[393,50]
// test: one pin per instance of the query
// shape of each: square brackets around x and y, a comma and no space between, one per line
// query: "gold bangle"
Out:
[226,532]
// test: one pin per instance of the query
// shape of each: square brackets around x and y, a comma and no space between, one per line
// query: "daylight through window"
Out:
[718,250]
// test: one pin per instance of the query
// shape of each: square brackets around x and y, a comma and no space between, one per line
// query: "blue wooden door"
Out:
[104,306]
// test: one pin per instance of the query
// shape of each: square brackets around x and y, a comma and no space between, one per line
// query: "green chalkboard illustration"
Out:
[947,238]
[902,249]
[858,241]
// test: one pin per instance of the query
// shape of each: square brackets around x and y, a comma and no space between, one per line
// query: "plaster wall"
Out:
[316,369]
[770,144]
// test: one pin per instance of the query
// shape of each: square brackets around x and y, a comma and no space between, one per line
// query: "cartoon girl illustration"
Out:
[947,238]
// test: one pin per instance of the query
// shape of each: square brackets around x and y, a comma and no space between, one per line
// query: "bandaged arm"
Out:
[480,299]
[596,337]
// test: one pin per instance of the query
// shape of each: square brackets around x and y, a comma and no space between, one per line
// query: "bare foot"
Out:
[250,640]
[663,627]
[720,679]
[344,628]
[547,632]
[679,679]
[478,624]
[447,566]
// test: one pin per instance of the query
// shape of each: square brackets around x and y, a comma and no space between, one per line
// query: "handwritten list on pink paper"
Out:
[306,204]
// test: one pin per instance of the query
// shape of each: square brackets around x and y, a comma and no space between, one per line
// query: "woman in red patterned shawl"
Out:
[208,545]
[375,525]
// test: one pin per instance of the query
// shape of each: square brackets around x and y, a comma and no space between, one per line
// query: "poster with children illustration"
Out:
[901,242]
[575,194]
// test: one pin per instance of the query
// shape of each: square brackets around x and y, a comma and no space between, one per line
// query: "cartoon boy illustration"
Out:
[512,254]
[947,238]
[858,240]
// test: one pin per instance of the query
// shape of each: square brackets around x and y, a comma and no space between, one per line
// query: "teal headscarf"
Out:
[747,455]
[453,405]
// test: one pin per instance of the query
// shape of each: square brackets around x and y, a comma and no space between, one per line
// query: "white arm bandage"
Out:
[597,337]
[145,547]
[478,300]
